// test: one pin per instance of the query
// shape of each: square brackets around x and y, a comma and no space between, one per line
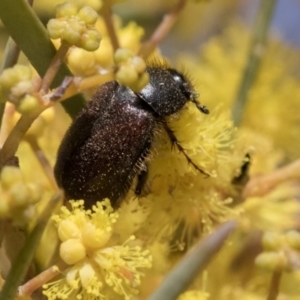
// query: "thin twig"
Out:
[18,132]
[261,185]
[54,66]
[33,284]
[256,53]
[162,29]
[42,160]
[79,85]
[14,138]
[106,13]
[274,285]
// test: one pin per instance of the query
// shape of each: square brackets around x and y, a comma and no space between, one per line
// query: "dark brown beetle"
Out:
[106,146]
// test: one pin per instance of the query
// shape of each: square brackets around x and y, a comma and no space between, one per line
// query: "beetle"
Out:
[108,142]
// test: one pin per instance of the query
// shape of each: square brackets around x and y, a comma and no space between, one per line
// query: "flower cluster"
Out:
[94,264]
[103,58]
[17,86]
[131,69]
[18,198]
[281,252]
[75,26]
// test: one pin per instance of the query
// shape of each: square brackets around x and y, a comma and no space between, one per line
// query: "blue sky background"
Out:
[285,22]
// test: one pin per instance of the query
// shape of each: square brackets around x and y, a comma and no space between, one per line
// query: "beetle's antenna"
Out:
[200,107]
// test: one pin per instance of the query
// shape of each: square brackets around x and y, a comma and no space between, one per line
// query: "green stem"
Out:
[193,263]
[256,53]
[31,36]
[21,264]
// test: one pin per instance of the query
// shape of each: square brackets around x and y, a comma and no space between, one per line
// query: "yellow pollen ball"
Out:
[28,104]
[72,251]
[9,176]
[68,230]
[93,237]
[19,195]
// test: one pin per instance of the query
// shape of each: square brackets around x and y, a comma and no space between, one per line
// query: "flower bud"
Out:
[66,9]
[272,261]
[88,15]
[72,32]
[139,64]
[122,55]
[127,75]
[72,251]
[94,238]
[90,40]
[55,28]
[21,88]
[9,176]
[68,230]
[271,241]
[293,239]
[19,194]
[28,105]
[11,76]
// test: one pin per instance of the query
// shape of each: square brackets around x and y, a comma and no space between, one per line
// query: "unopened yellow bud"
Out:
[94,238]
[142,81]
[66,9]
[11,76]
[9,176]
[139,64]
[28,105]
[21,88]
[72,251]
[90,40]
[271,241]
[72,32]
[103,54]
[293,239]
[127,75]
[68,230]
[55,28]
[272,261]
[19,194]
[35,192]
[88,15]
[123,55]
[87,62]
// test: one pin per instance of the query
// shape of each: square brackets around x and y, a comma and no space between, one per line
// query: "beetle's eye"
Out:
[187,90]
[183,84]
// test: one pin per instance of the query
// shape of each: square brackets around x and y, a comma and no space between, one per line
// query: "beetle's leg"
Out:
[141,180]
[175,142]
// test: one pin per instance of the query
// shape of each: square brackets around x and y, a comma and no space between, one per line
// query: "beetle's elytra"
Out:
[106,146]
